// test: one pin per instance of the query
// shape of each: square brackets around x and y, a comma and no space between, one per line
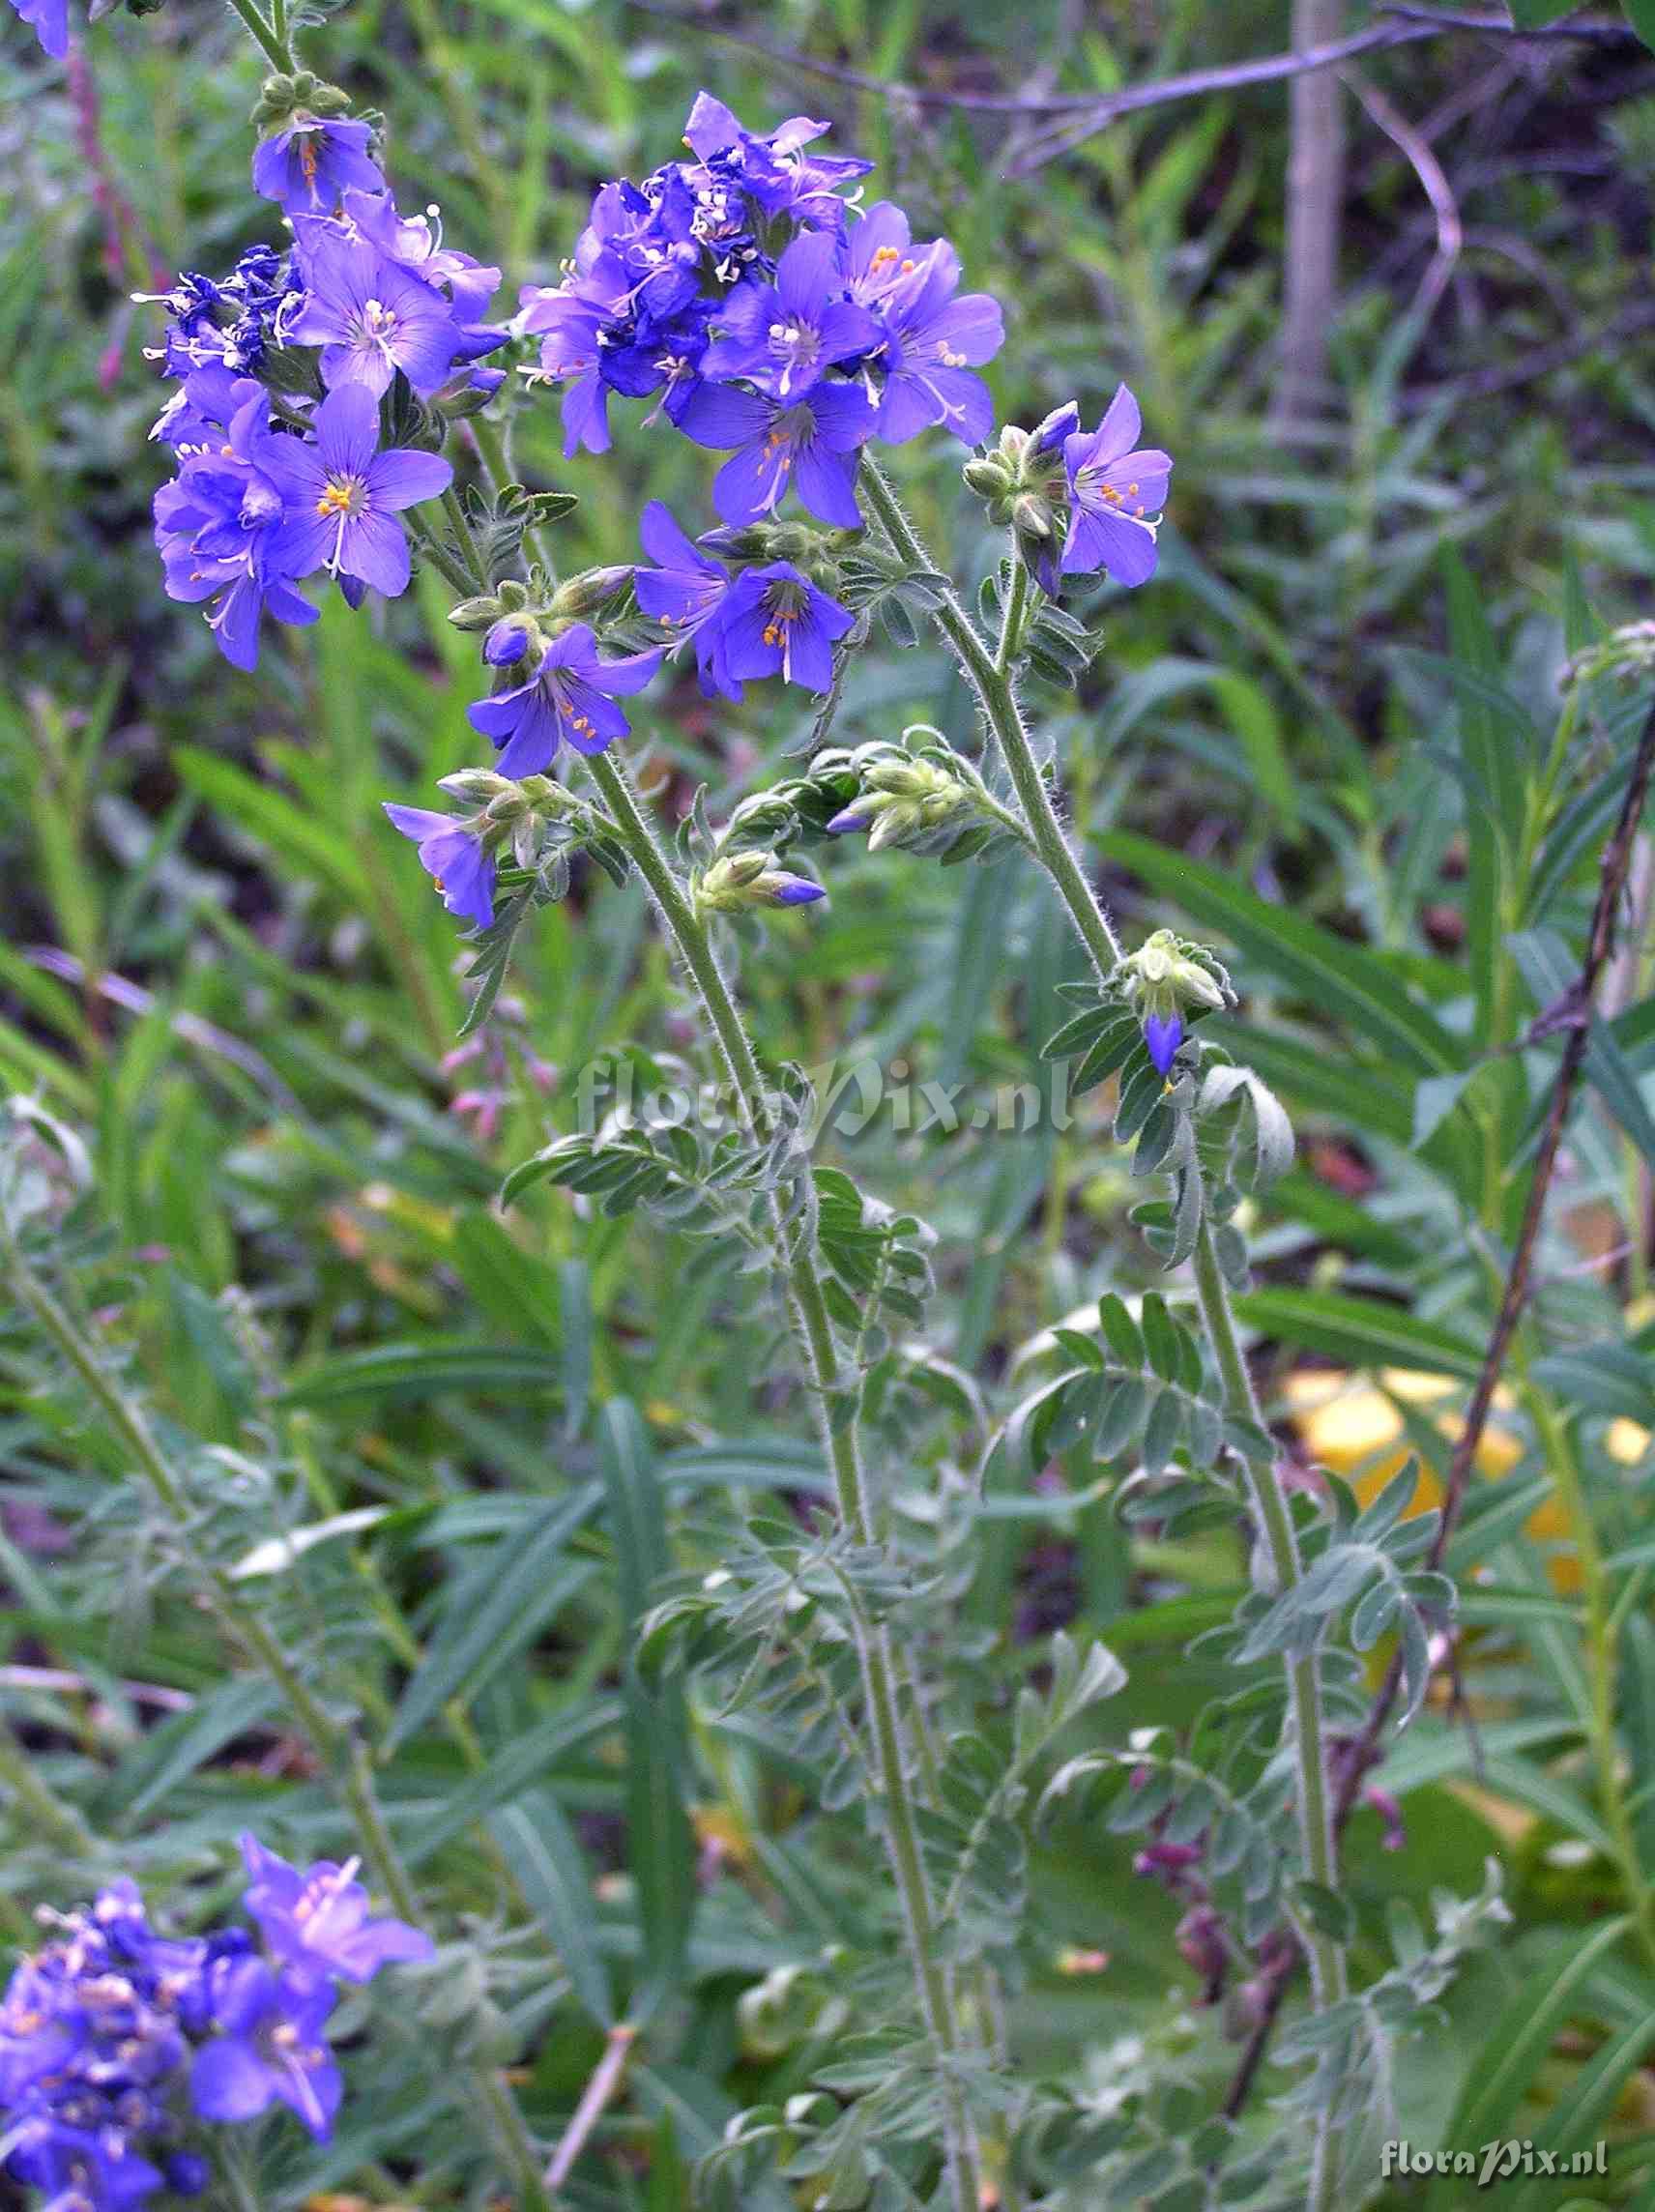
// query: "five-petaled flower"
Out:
[454,858]
[570,695]
[269,2046]
[342,494]
[319,1920]
[1116,492]
[783,337]
[310,160]
[686,591]
[369,314]
[776,622]
[811,441]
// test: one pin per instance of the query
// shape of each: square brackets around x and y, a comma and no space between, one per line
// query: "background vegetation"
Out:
[228,981]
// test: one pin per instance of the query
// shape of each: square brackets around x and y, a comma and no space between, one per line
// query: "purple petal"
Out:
[418,823]
[347,430]
[722,415]
[1163,1034]
[230,2081]
[827,486]
[404,477]
[375,549]
[1114,543]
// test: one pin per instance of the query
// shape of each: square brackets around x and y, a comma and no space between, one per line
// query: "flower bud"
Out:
[514,638]
[1032,515]
[584,594]
[478,613]
[989,478]
[736,881]
[1166,978]
[475,786]
[1013,447]
[765,814]
[1052,429]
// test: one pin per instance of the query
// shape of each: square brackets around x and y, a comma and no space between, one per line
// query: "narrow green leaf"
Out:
[551,1871]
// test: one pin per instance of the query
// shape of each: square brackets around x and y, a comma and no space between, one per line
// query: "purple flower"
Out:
[571,321]
[775,170]
[369,315]
[341,494]
[1113,488]
[223,323]
[847,819]
[319,1919]
[79,2169]
[270,2046]
[1163,1034]
[774,621]
[811,440]
[219,529]
[455,858]
[570,695]
[48,19]
[783,336]
[686,591]
[932,341]
[39,2033]
[309,161]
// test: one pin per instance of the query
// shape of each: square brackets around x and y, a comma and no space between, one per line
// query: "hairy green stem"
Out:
[275,47]
[998,698]
[831,1387]
[346,1762]
[989,676]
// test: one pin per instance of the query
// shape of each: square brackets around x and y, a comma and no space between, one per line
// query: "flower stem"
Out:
[996,695]
[276,49]
[839,1439]
[990,677]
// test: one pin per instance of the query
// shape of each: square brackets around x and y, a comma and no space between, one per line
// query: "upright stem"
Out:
[275,47]
[992,682]
[346,1762]
[840,1442]
[990,677]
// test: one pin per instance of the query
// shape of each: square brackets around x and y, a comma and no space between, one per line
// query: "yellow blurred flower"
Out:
[1356,1427]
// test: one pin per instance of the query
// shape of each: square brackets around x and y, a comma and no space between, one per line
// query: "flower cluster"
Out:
[1075,499]
[284,471]
[116,2040]
[735,289]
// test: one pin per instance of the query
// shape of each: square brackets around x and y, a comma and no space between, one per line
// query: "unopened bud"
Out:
[477,614]
[514,638]
[739,881]
[989,478]
[475,786]
[1030,515]
[582,595]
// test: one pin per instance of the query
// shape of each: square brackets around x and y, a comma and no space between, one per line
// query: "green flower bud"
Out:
[1169,974]
[738,881]
[481,613]
[1030,515]
[990,479]
[584,594]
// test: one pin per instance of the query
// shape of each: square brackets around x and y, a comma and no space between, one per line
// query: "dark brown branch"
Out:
[1364,1753]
